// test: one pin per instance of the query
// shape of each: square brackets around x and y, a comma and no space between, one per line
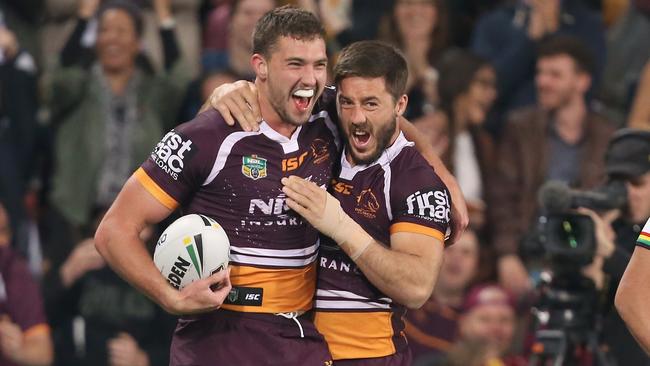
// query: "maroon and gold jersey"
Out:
[398,193]
[232,176]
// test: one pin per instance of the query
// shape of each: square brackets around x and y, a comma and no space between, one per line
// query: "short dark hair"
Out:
[373,59]
[569,46]
[285,21]
[134,11]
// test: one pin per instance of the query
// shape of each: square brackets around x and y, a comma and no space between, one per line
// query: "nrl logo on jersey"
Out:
[253,167]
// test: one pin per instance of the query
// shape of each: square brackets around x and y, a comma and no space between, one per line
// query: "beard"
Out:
[556,99]
[383,137]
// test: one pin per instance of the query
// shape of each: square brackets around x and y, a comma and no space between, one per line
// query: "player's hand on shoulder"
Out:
[237,102]
[204,295]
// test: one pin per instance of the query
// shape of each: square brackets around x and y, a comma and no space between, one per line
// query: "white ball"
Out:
[191,248]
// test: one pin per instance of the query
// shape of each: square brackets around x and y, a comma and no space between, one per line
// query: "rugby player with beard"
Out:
[385,222]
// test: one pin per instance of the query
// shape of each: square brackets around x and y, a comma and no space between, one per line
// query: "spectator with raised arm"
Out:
[109,113]
[64,17]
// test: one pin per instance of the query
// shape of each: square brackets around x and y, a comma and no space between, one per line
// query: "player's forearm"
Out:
[406,278]
[121,247]
[632,300]
[633,311]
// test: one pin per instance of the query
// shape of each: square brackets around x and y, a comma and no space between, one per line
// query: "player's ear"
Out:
[400,106]
[260,66]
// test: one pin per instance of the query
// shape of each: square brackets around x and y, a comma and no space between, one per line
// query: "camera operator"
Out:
[628,159]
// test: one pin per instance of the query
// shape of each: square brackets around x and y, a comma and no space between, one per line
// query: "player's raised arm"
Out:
[406,272]
[118,241]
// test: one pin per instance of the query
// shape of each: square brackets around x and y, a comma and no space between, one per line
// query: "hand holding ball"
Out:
[192,247]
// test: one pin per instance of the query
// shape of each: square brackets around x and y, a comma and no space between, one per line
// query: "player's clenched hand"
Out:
[236,102]
[124,350]
[317,206]
[201,296]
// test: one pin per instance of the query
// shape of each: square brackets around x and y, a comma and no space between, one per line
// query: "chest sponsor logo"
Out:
[173,152]
[430,204]
[272,206]
[253,167]
[367,204]
[320,151]
[339,265]
[270,212]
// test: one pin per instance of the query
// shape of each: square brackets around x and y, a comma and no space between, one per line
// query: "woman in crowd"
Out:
[467,91]
[419,29]
[108,112]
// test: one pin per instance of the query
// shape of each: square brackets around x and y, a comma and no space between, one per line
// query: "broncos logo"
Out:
[367,204]
[320,150]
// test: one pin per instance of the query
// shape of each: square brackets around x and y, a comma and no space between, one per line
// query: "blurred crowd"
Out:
[512,94]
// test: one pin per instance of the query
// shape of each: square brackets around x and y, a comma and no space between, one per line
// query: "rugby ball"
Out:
[192,247]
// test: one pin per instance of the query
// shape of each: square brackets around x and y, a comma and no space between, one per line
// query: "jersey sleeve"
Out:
[644,238]
[420,202]
[180,163]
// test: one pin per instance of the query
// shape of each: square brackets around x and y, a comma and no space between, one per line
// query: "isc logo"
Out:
[293,163]
[254,297]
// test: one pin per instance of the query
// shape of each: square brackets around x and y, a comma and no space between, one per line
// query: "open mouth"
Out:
[360,139]
[302,98]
